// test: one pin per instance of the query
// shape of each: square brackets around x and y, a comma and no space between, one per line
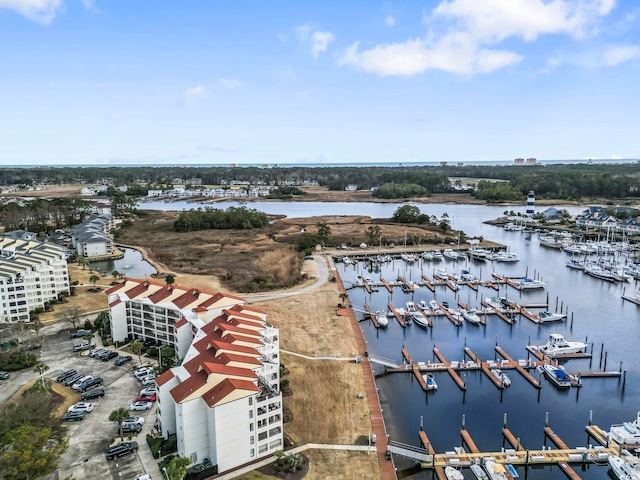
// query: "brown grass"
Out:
[340,465]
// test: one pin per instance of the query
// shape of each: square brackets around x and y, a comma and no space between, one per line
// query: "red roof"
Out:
[190,385]
[214,367]
[115,302]
[217,394]
[164,377]
[160,295]
[180,323]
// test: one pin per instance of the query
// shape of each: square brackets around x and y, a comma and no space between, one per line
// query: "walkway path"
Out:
[307,357]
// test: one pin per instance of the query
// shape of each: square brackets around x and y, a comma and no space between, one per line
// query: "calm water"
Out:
[596,312]
[131,265]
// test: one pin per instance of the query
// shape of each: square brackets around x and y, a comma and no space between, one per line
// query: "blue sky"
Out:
[186,82]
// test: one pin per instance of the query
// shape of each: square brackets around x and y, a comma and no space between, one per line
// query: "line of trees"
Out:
[241,218]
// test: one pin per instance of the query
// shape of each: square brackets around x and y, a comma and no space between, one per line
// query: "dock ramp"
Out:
[409,451]
[387,362]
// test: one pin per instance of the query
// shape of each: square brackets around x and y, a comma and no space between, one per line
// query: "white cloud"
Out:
[320,41]
[472,29]
[390,21]
[611,56]
[553,62]
[42,11]
[229,83]
[317,40]
[193,95]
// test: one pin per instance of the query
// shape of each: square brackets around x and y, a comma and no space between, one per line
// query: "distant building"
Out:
[351,188]
[529,161]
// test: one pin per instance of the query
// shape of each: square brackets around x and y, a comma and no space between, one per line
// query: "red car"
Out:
[150,398]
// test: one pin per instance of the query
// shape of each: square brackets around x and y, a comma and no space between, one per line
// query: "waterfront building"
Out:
[223,401]
[91,237]
[31,273]
[531,201]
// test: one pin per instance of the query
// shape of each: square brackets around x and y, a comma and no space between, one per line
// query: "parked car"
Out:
[4,375]
[94,382]
[123,360]
[73,416]
[91,394]
[134,419]
[124,448]
[109,355]
[148,380]
[80,381]
[136,406]
[96,351]
[64,375]
[81,407]
[145,392]
[148,398]
[83,346]
[129,428]
[146,476]
[142,372]
[73,379]
[81,332]
[33,346]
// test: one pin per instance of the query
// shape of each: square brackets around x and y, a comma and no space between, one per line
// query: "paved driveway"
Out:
[89,438]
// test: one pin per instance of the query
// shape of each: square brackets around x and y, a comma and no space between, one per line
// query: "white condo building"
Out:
[223,402]
[31,273]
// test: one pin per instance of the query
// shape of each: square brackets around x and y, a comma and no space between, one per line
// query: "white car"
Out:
[80,381]
[81,407]
[132,419]
[140,406]
[143,372]
[148,380]
[147,392]
[146,476]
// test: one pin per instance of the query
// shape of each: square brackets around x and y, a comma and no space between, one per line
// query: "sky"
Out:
[159,82]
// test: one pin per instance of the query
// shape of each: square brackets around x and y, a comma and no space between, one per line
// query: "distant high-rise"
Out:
[531,200]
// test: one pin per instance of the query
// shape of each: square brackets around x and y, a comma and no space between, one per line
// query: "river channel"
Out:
[596,313]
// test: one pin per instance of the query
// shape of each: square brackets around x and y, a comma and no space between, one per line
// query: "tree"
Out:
[84,262]
[118,416]
[343,299]
[170,279]
[30,452]
[324,232]
[94,279]
[72,315]
[406,214]
[136,347]
[116,274]
[373,234]
[176,469]
[40,368]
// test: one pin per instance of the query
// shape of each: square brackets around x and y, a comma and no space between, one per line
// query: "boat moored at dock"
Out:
[495,470]
[430,381]
[626,433]
[528,283]
[453,473]
[501,376]
[546,316]
[556,375]
[557,345]
[625,468]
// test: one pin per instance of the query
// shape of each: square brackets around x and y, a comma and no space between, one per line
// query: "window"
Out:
[251,427]
[252,439]
[250,413]
[252,452]
[262,436]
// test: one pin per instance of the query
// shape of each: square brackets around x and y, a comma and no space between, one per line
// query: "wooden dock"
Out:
[428,283]
[525,373]
[512,440]
[372,316]
[397,315]
[426,444]
[386,285]
[468,441]
[451,370]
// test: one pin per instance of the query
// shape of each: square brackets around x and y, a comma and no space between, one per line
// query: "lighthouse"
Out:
[531,200]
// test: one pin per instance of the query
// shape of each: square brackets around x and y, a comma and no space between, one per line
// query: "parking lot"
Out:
[89,438]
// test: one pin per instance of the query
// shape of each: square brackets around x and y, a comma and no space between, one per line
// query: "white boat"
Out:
[496,471]
[547,316]
[529,283]
[557,376]
[467,276]
[470,316]
[422,305]
[427,255]
[430,381]
[451,254]
[551,241]
[408,257]
[625,468]
[599,272]
[419,318]
[478,253]
[575,263]
[479,472]
[455,314]
[442,272]
[627,433]
[505,257]
[437,255]
[557,345]
[382,319]
[501,376]
[435,308]
[410,307]
[453,473]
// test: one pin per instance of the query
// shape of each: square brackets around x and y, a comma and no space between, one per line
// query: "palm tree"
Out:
[84,262]
[116,274]
[93,279]
[40,368]
[343,299]
[118,416]
[169,279]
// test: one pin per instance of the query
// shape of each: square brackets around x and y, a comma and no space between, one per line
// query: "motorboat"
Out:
[505,257]
[511,470]
[626,433]
[529,284]
[453,473]
[434,306]
[410,307]
[546,316]
[424,306]
[455,314]
[419,319]
[451,254]
[430,381]
[557,345]
[599,272]
[466,276]
[478,253]
[381,318]
[470,316]
[442,272]
[496,471]
[551,241]
[556,375]
[437,255]
[427,255]
[408,257]
[478,471]
[501,376]
[625,468]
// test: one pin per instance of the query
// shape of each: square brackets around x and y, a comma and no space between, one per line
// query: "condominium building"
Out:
[223,401]
[31,273]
